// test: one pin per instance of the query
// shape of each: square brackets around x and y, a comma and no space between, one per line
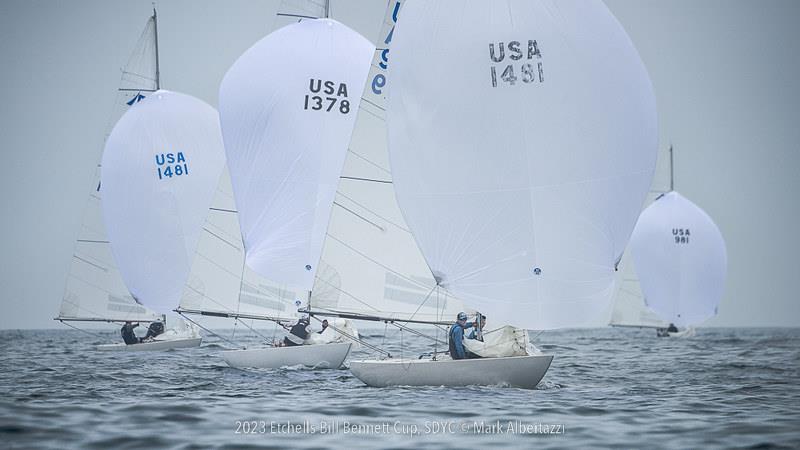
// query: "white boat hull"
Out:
[151,346]
[325,356]
[515,371]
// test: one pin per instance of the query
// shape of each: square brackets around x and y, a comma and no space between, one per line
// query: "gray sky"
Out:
[724,72]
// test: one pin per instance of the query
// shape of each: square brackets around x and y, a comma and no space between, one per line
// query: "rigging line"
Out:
[410,280]
[417,332]
[92,241]
[371,180]
[82,330]
[208,331]
[373,212]
[359,216]
[251,328]
[373,103]
[369,161]
[358,340]
[424,301]
[223,210]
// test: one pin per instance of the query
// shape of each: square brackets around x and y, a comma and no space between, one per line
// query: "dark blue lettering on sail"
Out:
[171,164]
[515,61]
[330,95]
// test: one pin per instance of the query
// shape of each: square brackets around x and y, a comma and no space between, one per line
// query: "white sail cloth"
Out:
[161,165]
[503,342]
[521,151]
[681,260]
[94,289]
[287,107]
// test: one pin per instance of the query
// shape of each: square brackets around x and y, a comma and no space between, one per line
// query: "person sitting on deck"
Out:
[297,334]
[324,326]
[456,337]
[153,330]
[127,333]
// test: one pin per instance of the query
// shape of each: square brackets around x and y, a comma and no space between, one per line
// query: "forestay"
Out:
[161,165]
[286,134]
[94,289]
[681,260]
[522,137]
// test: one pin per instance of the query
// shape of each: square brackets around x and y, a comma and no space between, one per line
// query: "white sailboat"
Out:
[95,291]
[521,173]
[684,275]
[285,159]
[681,261]
[115,275]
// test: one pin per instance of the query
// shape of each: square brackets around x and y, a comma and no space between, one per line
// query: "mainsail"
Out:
[681,260]
[94,289]
[518,165]
[286,135]
[161,165]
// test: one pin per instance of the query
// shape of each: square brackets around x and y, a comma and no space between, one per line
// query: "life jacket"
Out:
[298,333]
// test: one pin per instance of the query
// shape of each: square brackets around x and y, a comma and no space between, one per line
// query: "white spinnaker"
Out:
[286,134]
[95,290]
[521,188]
[681,260]
[217,283]
[161,165]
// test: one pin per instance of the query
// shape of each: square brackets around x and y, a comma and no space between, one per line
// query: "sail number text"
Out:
[681,235]
[512,62]
[171,164]
[333,99]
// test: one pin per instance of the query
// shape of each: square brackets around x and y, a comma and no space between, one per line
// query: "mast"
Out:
[327,9]
[155,28]
[671,171]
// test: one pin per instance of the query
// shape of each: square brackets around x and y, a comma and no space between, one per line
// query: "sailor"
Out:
[127,333]
[456,336]
[672,328]
[153,330]
[324,326]
[297,333]
[477,330]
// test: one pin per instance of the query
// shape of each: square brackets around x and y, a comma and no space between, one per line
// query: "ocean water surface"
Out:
[723,388]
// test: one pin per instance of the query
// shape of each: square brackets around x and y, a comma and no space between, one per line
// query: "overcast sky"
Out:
[725,75]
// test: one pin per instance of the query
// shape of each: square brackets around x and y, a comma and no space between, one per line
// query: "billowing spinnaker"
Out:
[161,166]
[287,107]
[522,137]
[681,260]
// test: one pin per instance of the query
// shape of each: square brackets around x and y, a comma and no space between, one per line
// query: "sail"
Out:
[94,289]
[161,165]
[681,260]
[219,282]
[519,166]
[286,134]
[629,309]
[295,10]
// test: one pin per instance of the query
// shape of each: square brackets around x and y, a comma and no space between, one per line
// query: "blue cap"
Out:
[462,316]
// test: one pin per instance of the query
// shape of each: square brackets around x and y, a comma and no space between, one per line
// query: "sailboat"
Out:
[521,172]
[285,159]
[96,290]
[681,260]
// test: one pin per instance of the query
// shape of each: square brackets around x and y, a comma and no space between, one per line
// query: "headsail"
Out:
[629,309]
[161,165]
[286,134]
[94,289]
[520,167]
[681,260]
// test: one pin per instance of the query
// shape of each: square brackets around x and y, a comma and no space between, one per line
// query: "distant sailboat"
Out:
[680,260]
[96,291]
[520,171]
[285,159]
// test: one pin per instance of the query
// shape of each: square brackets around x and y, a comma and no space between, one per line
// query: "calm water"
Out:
[606,388]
